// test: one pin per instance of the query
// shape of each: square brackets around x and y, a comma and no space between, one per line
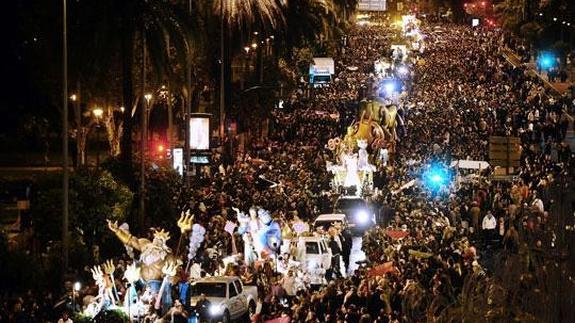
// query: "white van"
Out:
[315,256]
[327,220]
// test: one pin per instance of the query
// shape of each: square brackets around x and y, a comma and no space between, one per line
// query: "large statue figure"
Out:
[270,233]
[155,255]
[365,129]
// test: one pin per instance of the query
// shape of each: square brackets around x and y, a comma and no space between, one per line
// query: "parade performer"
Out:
[250,255]
[351,176]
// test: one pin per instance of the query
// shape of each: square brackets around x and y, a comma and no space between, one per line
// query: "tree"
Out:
[308,20]
[112,32]
[509,14]
[166,198]
[95,197]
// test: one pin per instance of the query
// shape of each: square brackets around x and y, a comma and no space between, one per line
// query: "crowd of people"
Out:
[428,242]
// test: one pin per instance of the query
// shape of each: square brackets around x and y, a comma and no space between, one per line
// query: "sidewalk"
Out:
[555,88]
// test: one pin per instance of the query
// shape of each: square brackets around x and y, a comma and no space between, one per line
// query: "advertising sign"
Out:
[372,5]
[200,131]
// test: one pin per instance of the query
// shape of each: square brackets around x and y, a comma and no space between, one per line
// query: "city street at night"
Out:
[354,161]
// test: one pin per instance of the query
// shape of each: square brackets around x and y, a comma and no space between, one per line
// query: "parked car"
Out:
[229,298]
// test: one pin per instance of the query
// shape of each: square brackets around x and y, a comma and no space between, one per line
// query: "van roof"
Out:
[312,238]
[331,217]
[216,279]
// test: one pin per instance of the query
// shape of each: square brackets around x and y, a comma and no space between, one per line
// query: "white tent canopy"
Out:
[323,65]
[470,164]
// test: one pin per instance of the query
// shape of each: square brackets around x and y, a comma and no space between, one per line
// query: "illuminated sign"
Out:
[372,5]
[200,131]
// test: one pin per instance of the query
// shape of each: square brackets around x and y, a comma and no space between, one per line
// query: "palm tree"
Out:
[237,17]
[345,8]
[110,31]
[308,19]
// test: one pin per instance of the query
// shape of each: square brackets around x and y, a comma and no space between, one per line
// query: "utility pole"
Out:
[222,71]
[188,109]
[143,136]
[65,170]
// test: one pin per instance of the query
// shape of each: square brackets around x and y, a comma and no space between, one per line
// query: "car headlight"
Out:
[362,216]
[215,310]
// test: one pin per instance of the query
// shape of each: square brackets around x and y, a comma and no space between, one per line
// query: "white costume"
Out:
[351,176]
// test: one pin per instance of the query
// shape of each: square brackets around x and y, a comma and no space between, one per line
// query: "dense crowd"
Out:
[428,242]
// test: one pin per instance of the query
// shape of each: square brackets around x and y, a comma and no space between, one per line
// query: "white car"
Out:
[229,298]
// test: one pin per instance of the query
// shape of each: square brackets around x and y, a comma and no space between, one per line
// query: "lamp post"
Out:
[78,156]
[187,108]
[143,146]
[222,71]
[244,63]
[65,170]
[75,289]
[98,113]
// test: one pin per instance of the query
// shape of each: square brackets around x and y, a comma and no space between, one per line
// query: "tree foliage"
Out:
[94,197]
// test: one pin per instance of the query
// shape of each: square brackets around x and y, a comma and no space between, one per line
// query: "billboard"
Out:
[200,131]
[372,5]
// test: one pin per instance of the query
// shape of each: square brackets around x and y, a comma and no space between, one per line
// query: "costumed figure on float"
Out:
[106,298]
[261,234]
[157,262]
[353,168]
[250,253]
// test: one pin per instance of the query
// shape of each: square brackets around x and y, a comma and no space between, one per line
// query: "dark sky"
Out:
[27,61]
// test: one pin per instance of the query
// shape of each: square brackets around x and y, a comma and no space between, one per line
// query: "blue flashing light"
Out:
[435,177]
[388,87]
[546,61]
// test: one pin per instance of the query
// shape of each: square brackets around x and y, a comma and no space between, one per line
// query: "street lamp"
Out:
[76,288]
[73,97]
[254,45]
[98,113]
[122,109]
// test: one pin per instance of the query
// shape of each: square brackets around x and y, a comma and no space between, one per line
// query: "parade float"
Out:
[357,156]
